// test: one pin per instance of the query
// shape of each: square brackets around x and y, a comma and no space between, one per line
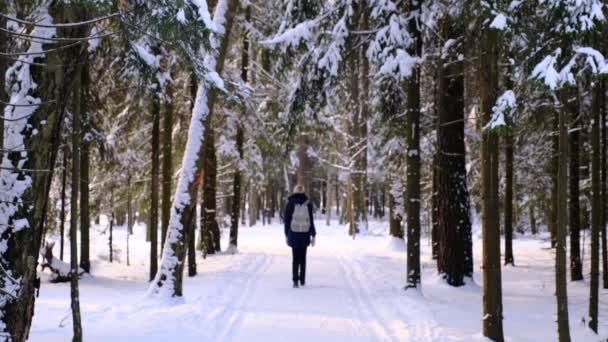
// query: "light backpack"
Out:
[300,220]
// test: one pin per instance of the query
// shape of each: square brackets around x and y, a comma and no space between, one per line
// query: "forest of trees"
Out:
[425,113]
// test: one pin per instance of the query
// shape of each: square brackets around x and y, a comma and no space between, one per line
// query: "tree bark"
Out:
[64,176]
[167,172]
[509,260]
[454,260]
[412,134]
[209,225]
[596,207]
[576,266]
[240,136]
[76,133]
[154,184]
[492,283]
[85,217]
[554,165]
[604,181]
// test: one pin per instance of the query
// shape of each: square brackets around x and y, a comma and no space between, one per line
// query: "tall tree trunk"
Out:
[167,164]
[85,217]
[23,181]
[596,208]
[509,200]
[412,134]
[604,181]
[492,283]
[455,241]
[4,46]
[76,133]
[64,176]
[209,225]
[554,165]
[435,209]
[240,137]
[154,184]
[576,266]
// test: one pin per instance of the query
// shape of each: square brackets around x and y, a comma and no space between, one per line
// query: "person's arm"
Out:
[313,231]
[288,216]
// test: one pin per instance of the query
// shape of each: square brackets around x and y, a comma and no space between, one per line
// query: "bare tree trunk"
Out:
[454,259]
[167,164]
[576,266]
[554,170]
[129,214]
[492,282]
[154,186]
[604,181]
[509,260]
[64,173]
[412,134]
[76,132]
[237,181]
[596,208]
[85,217]
[110,242]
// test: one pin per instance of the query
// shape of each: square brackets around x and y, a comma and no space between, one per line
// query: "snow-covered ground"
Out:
[354,292]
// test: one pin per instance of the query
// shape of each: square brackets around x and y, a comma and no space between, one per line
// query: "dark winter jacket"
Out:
[298,240]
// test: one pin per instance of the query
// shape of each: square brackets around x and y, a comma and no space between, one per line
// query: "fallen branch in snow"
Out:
[61,270]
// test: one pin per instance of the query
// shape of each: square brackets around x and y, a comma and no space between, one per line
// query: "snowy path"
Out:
[353,293]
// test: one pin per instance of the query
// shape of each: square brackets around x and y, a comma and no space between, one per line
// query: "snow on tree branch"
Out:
[505,105]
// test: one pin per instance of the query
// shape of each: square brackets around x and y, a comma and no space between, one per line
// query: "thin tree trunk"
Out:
[604,181]
[554,170]
[191,240]
[85,218]
[129,214]
[560,253]
[167,164]
[492,282]
[110,242]
[412,134]
[64,176]
[76,132]
[532,218]
[509,200]
[596,207]
[154,186]
[576,266]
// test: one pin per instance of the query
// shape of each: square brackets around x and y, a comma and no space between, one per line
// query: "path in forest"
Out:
[347,297]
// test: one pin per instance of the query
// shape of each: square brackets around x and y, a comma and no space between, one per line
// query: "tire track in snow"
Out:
[363,302]
[419,321]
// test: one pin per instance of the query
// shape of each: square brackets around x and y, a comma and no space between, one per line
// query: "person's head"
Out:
[298,189]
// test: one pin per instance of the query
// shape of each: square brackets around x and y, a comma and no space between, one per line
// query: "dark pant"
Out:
[299,264]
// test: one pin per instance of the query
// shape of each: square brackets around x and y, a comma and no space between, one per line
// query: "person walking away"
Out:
[299,232]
